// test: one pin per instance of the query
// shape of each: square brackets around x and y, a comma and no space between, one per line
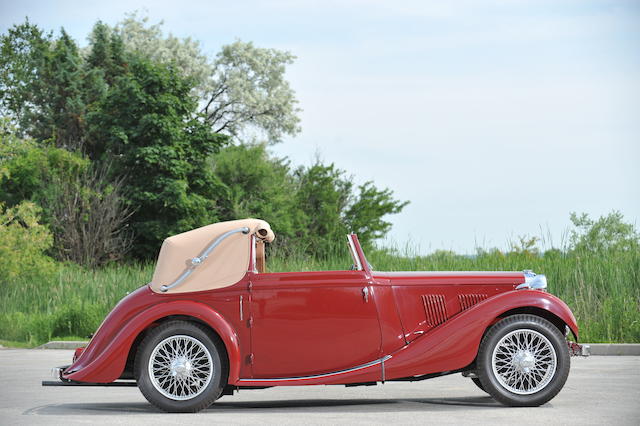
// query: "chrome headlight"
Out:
[533,281]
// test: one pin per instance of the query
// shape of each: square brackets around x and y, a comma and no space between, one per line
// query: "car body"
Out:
[213,321]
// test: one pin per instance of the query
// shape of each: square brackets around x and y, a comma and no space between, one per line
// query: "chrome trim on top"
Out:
[197,261]
[317,376]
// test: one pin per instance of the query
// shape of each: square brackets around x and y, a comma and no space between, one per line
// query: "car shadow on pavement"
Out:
[275,406]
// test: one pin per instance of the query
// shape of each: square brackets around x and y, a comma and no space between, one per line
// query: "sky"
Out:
[495,119]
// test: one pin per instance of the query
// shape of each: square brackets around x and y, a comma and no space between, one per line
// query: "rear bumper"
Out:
[576,349]
[57,372]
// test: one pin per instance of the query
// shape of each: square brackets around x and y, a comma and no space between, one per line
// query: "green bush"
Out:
[76,319]
[32,172]
[23,243]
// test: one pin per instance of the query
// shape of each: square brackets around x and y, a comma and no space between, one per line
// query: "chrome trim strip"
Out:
[197,261]
[241,310]
[317,376]
[354,253]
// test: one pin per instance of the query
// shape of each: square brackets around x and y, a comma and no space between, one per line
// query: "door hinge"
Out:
[250,359]
[250,286]
[250,322]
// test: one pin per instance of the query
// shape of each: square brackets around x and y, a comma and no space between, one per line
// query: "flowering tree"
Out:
[243,91]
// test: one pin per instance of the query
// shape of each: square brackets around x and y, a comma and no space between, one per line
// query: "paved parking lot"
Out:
[600,390]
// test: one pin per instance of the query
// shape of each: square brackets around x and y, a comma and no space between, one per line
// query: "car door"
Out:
[309,323]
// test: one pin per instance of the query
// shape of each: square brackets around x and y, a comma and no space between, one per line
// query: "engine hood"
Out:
[444,278]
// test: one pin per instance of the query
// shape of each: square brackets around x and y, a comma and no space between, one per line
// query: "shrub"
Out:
[23,243]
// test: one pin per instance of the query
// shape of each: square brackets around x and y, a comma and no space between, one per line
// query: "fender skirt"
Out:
[105,358]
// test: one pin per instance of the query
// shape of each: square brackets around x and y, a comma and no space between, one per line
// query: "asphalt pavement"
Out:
[601,390]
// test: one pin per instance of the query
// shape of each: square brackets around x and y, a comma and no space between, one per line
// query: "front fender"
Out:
[105,358]
[454,344]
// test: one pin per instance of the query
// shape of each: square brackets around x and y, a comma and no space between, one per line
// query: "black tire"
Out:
[212,360]
[541,386]
[477,382]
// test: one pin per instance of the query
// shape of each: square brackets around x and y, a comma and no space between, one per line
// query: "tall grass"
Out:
[73,302]
[603,289]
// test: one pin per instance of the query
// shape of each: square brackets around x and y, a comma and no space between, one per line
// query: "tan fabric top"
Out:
[224,266]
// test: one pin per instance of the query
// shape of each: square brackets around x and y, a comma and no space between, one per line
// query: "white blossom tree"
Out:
[242,90]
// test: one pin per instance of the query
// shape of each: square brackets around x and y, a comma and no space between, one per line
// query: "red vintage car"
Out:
[213,321]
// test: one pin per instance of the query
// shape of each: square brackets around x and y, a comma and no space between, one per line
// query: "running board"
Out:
[302,379]
[112,384]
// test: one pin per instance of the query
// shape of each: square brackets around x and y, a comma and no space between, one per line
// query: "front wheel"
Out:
[179,367]
[523,360]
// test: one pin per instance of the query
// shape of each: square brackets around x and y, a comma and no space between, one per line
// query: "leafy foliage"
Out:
[243,90]
[23,49]
[146,123]
[45,87]
[29,170]
[158,113]
[80,204]
[248,91]
[311,208]
[23,243]
[261,186]
[608,233]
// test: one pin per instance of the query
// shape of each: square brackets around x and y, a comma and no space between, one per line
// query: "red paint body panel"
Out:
[411,289]
[390,324]
[309,323]
[104,359]
[329,327]
[454,344]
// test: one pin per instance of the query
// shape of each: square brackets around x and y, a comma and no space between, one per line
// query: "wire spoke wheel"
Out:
[524,361]
[180,367]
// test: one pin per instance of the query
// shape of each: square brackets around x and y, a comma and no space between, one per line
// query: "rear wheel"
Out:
[179,367]
[523,361]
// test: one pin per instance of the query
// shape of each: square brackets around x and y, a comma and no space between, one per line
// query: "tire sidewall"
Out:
[157,335]
[496,333]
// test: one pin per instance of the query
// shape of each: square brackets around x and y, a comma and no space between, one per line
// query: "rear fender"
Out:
[108,364]
[454,344]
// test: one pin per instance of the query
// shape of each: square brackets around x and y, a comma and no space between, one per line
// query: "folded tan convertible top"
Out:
[224,266]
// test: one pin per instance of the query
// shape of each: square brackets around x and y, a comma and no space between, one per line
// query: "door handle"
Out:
[365,294]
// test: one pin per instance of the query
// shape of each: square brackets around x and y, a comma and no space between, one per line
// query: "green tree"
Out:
[607,233]
[259,185]
[106,54]
[366,213]
[323,195]
[45,87]
[331,207]
[148,126]
[243,90]
[23,51]
[247,95]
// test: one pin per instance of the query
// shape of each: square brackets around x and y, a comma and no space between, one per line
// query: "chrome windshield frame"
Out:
[354,253]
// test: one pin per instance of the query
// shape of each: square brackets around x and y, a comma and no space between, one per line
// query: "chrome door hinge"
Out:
[250,322]
[365,294]
[250,286]
[250,359]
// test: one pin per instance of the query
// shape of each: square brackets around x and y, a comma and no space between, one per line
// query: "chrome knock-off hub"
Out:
[523,361]
[181,367]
